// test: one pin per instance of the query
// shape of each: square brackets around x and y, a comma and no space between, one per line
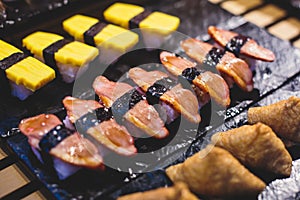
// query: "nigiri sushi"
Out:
[55,145]
[240,44]
[111,40]
[89,117]
[161,88]
[205,81]
[155,26]
[57,52]
[25,73]
[127,103]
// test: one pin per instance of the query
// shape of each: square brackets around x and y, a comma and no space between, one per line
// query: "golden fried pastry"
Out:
[214,172]
[179,191]
[256,146]
[283,117]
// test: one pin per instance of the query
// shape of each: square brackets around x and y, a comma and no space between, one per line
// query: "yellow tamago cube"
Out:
[78,24]
[38,41]
[160,22]
[122,13]
[74,53]
[7,50]
[110,36]
[30,73]
[117,38]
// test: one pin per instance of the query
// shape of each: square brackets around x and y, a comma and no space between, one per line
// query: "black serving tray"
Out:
[269,80]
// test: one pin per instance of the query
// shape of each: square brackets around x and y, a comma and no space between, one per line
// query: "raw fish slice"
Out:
[114,137]
[214,172]
[235,69]
[208,82]
[283,117]
[177,192]
[77,107]
[256,146]
[74,149]
[142,115]
[250,48]
[182,100]
[109,91]
[34,128]
[108,132]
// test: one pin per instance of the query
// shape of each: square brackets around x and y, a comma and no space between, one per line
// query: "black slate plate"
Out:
[281,188]
[195,16]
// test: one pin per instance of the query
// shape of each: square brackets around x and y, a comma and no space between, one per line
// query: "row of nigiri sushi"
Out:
[122,103]
[105,124]
[70,58]
[220,169]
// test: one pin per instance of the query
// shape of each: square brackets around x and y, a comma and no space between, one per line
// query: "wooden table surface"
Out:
[18,183]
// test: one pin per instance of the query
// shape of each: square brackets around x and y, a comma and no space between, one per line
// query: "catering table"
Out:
[277,17]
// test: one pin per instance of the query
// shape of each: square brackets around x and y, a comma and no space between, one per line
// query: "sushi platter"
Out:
[159,99]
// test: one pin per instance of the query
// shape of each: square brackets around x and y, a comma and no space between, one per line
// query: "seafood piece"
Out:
[127,103]
[256,146]
[155,26]
[233,69]
[70,151]
[177,192]
[111,40]
[66,56]
[206,81]
[24,73]
[159,87]
[239,44]
[283,117]
[214,172]
[97,122]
